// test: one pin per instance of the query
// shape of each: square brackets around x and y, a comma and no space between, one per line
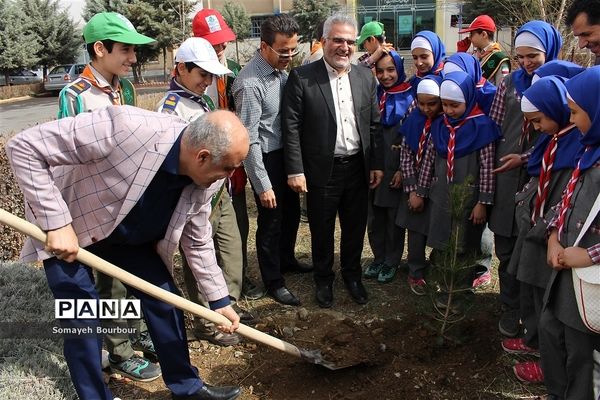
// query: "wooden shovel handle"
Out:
[112,270]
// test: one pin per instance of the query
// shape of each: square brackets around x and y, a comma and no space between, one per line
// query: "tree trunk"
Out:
[237,52]
[134,69]
[164,64]
[542,10]
[560,13]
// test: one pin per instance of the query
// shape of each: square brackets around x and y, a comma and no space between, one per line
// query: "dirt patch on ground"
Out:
[389,344]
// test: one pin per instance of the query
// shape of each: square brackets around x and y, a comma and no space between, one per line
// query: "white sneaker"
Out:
[105,362]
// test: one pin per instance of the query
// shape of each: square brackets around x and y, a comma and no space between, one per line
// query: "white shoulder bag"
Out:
[586,281]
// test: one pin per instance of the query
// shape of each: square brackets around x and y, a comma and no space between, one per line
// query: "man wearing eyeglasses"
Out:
[333,151]
[257,95]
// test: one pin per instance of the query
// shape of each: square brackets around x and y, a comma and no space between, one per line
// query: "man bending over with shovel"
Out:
[129,185]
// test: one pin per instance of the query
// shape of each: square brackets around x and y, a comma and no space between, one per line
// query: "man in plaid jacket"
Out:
[129,185]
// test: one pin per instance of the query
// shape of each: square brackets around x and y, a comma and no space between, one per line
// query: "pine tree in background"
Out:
[309,14]
[167,22]
[59,39]
[238,20]
[19,45]
[92,7]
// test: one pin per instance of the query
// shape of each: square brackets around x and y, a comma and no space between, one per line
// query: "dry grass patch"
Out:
[8,92]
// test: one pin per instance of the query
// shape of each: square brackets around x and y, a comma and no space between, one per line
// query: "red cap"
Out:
[210,25]
[484,22]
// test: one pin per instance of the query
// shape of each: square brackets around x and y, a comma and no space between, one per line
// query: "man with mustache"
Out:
[333,152]
[584,19]
[257,93]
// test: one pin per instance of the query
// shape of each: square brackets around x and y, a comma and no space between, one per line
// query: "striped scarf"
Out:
[546,174]
[475,112]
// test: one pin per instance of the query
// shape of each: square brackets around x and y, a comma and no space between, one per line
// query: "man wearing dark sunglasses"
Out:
[333,152]
[257,94]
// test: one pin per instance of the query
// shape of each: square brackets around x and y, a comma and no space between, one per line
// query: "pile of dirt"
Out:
[388,356]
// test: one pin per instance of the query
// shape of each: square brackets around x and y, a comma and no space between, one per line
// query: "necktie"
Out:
[451,147]
[114,95]
[525,134]
[475,112]
[222,92]
[422,141]
[566,199]
[546,174]
[382,102]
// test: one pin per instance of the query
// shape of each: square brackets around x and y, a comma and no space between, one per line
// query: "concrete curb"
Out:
[15,99]
[46,94]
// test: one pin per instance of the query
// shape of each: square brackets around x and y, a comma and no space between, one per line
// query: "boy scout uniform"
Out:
[82,96]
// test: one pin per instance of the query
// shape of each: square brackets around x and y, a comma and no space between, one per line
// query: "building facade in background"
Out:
[402,18]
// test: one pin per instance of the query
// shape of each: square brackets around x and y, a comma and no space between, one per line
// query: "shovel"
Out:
[93,261]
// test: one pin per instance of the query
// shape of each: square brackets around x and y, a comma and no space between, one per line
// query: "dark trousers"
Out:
[385,237]
[567,359]
[509,285]
[276,227]
[417,262]
[241,216]
[531,304]
[165,322]
[346,195]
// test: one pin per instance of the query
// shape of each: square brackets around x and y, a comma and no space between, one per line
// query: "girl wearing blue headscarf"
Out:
[469,64]
[385,237]
[413,213]
[550,166]
[567,344]
[536,43]
[461,148]
[565,69]
[428,53]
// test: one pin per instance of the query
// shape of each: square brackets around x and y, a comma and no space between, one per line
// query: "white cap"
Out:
[451,67]
[528,39]
[528,106]
[200,52]
[419,42]
[449,90]
[428,86]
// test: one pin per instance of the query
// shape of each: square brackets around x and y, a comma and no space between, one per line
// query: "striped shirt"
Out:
[257,92]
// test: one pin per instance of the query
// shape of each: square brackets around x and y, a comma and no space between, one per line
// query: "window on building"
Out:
[402,18]
[257,21]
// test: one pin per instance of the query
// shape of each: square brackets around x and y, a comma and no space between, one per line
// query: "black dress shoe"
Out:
[325,295]
[213,393]
[357,291]
[296,266]
[284,296]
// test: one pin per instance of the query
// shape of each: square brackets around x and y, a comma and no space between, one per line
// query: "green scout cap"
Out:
[113,26]
[372,28]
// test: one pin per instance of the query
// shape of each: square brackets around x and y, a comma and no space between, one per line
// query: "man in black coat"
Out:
[333,151]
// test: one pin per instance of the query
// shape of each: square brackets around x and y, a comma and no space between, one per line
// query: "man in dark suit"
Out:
[333,151]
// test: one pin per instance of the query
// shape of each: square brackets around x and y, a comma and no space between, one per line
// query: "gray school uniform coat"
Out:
[560,295]
[529,256]
[383,195]
[502,216]
[441,226]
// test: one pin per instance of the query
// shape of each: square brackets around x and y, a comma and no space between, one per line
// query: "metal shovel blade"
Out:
[315,357]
